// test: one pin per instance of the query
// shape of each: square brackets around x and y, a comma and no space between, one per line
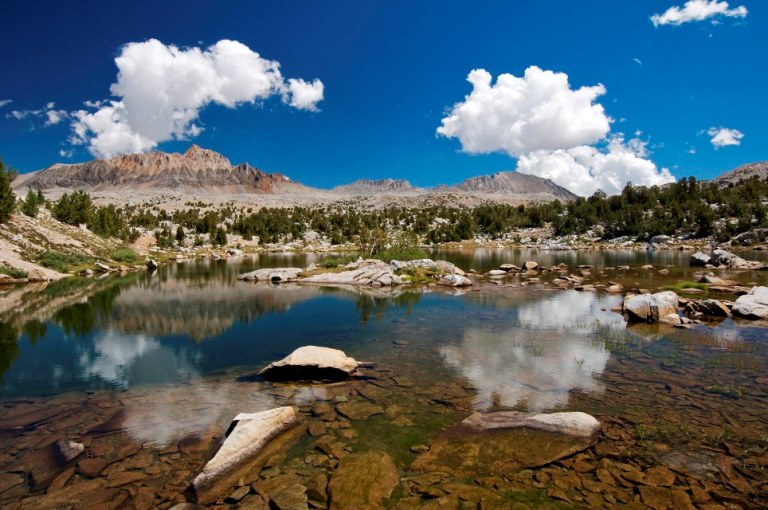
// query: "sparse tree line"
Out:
[687,207]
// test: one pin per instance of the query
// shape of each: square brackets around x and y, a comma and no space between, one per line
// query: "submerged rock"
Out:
[249,435]
[574,423]
[363,480]
[273,275]
[651,307]
[508,441]
[753,305]
[311,363]
[69,449]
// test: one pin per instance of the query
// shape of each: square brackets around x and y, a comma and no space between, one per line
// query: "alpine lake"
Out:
[148,370]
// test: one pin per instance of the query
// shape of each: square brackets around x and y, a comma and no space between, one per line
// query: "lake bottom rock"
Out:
[506,442]
[252,438]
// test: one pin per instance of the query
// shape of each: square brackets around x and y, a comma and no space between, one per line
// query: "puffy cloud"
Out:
[305,95]
[162,88]
[723,137]
[585,169]
[515,115]
[5,102]
[551,129]
[55,116]
[697,10]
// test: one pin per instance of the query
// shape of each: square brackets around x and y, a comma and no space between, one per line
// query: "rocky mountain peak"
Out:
[197,154]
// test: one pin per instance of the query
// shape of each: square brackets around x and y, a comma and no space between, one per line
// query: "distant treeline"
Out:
[687,207]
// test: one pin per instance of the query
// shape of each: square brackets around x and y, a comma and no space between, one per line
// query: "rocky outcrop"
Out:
[706,308]
[729,260]
[368,186]
[650,307]
[700,259]
[311,363]
[272,275]
[197,168]
[753,305]
[367,272]
[759,170]
[399,265]
[454,280]
[249,435]
[514,182]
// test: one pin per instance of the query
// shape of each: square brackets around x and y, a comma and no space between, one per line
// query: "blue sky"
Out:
[391,72]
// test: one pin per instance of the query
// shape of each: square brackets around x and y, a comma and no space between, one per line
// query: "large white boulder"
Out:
[651,307]
[311,363]
[753,305]
[249,434]
[455,280]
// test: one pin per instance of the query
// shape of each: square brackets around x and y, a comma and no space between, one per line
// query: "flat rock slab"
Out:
[249,436]
[363,480]
[273,275]
[358,411]
[506,442]
[311,363]
[367,272]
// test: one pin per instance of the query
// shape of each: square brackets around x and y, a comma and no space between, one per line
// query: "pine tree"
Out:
[31,204]
[7,199]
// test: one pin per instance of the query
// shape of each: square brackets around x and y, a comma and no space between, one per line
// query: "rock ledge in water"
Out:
[311,363]
[249,434]
[505,442]
[271,275]
[576,424]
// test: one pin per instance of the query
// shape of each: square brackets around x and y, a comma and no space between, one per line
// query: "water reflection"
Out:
[113,357]
[571,310]
[536,366]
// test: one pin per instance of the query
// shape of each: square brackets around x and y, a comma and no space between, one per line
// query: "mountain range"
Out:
[204,173]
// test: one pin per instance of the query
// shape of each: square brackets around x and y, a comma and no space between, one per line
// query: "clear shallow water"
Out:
[173,356]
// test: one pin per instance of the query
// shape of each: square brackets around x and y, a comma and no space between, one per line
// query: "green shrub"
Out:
[337,260]
[125,255]
[401,253]
[13,272]
[61,262]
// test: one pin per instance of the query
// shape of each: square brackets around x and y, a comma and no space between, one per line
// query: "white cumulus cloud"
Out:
[698,10]
[552,129]
[5,102]
[515,115]
[305,95]
[585,169]
[723,137]
[160,90]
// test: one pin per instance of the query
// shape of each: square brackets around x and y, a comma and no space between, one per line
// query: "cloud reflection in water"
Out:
[538,364]
[162,414]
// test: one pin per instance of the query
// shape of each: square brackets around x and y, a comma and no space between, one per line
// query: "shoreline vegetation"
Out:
[45,239]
